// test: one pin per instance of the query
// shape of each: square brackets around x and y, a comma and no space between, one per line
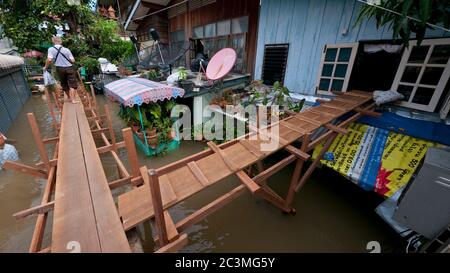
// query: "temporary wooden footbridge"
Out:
[85,216]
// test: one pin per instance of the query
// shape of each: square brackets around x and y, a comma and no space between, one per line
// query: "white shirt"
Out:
[8,153]
[61,61]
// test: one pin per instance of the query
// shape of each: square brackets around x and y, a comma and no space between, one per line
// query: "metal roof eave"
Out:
[133,11]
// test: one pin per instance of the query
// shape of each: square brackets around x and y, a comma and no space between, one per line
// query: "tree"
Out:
[420,12]
[31,24]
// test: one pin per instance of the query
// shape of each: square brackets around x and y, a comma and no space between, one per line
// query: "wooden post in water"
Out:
[110,127]
[157,204]
[38,140]
[131,151]
[51,108]
[297,171]
[311,168]
[94,98]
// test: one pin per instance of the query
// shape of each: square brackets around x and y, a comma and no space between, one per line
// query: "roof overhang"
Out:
[141,8]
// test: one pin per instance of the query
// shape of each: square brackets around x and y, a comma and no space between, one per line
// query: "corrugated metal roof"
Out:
[8,61]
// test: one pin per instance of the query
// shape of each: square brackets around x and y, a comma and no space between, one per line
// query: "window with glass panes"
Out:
[227,33]
[176,42]
[423,74]
[335,68]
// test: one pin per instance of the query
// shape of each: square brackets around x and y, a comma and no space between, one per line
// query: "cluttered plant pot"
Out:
[152,137]
[171,135]
[188,86]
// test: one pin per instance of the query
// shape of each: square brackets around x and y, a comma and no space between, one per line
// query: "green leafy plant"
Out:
[31,24]
[152,75]
[91,65]
[182,74]
[279,94]
[296,106]
[408,16]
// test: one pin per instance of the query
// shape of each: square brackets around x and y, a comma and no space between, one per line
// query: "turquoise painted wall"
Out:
[307,25]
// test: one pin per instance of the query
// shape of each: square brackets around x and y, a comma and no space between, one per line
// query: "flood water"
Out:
[333,215]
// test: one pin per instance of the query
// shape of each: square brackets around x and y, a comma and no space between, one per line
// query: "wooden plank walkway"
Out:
[84,213]
[183,179]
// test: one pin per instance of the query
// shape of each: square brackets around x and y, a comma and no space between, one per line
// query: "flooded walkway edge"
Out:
[333,215]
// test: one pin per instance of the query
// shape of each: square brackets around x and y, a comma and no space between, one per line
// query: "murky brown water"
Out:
[333,215]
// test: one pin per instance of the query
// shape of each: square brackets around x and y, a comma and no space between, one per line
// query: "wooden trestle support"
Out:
[175,182]
[55,173]
[154,191]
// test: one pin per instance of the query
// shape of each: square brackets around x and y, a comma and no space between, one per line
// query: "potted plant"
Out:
[152,136]
[153,75]
[182,80]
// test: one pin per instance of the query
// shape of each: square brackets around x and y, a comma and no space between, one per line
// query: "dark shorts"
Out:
[67,78]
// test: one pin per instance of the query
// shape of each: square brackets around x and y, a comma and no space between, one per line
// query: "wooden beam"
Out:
[98,131]
[183,162]
[51,140]
[351,119]
[94,98]
[35,210]
[305,119]
[316,161]
[337,129]
[248,182]
[96,118]
[51,108]
[197,172]
[269,195]
[223,156]
[263,176]
[255,151]
[38,140]
[110,127]
[151,177]
[293,128]
[131,151]
[212,207]
[52,163]
[46,250]
[172,232]
[279,139]
[175,246]
[313,110]
[297,152]
[297,172]
[39,229]
[18,167]
[368,113]
[110,148]
[119,183]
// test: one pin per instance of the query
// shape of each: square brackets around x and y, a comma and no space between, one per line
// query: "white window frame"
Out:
[445,109]
[439,88]
[349,64]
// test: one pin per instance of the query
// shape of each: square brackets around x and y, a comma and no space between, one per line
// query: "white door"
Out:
[335,68]
[423,74]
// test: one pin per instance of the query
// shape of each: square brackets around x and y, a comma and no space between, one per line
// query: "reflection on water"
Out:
[333,215]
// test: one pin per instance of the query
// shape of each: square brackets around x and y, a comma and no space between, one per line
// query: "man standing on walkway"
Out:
[63,59]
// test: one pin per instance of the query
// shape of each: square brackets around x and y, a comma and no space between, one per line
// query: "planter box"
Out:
[160,148]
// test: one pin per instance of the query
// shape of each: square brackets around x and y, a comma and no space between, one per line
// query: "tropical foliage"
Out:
[32,23]
[420,12]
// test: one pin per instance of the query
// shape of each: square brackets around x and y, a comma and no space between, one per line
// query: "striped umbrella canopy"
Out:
[136,91]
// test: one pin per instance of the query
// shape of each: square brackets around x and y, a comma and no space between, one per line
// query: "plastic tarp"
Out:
[375,159]
[136,91]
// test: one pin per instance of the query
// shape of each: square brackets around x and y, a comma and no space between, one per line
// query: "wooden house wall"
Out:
[222,10]
[308,25]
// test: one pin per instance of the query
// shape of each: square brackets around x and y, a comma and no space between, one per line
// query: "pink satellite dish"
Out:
[221,64]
